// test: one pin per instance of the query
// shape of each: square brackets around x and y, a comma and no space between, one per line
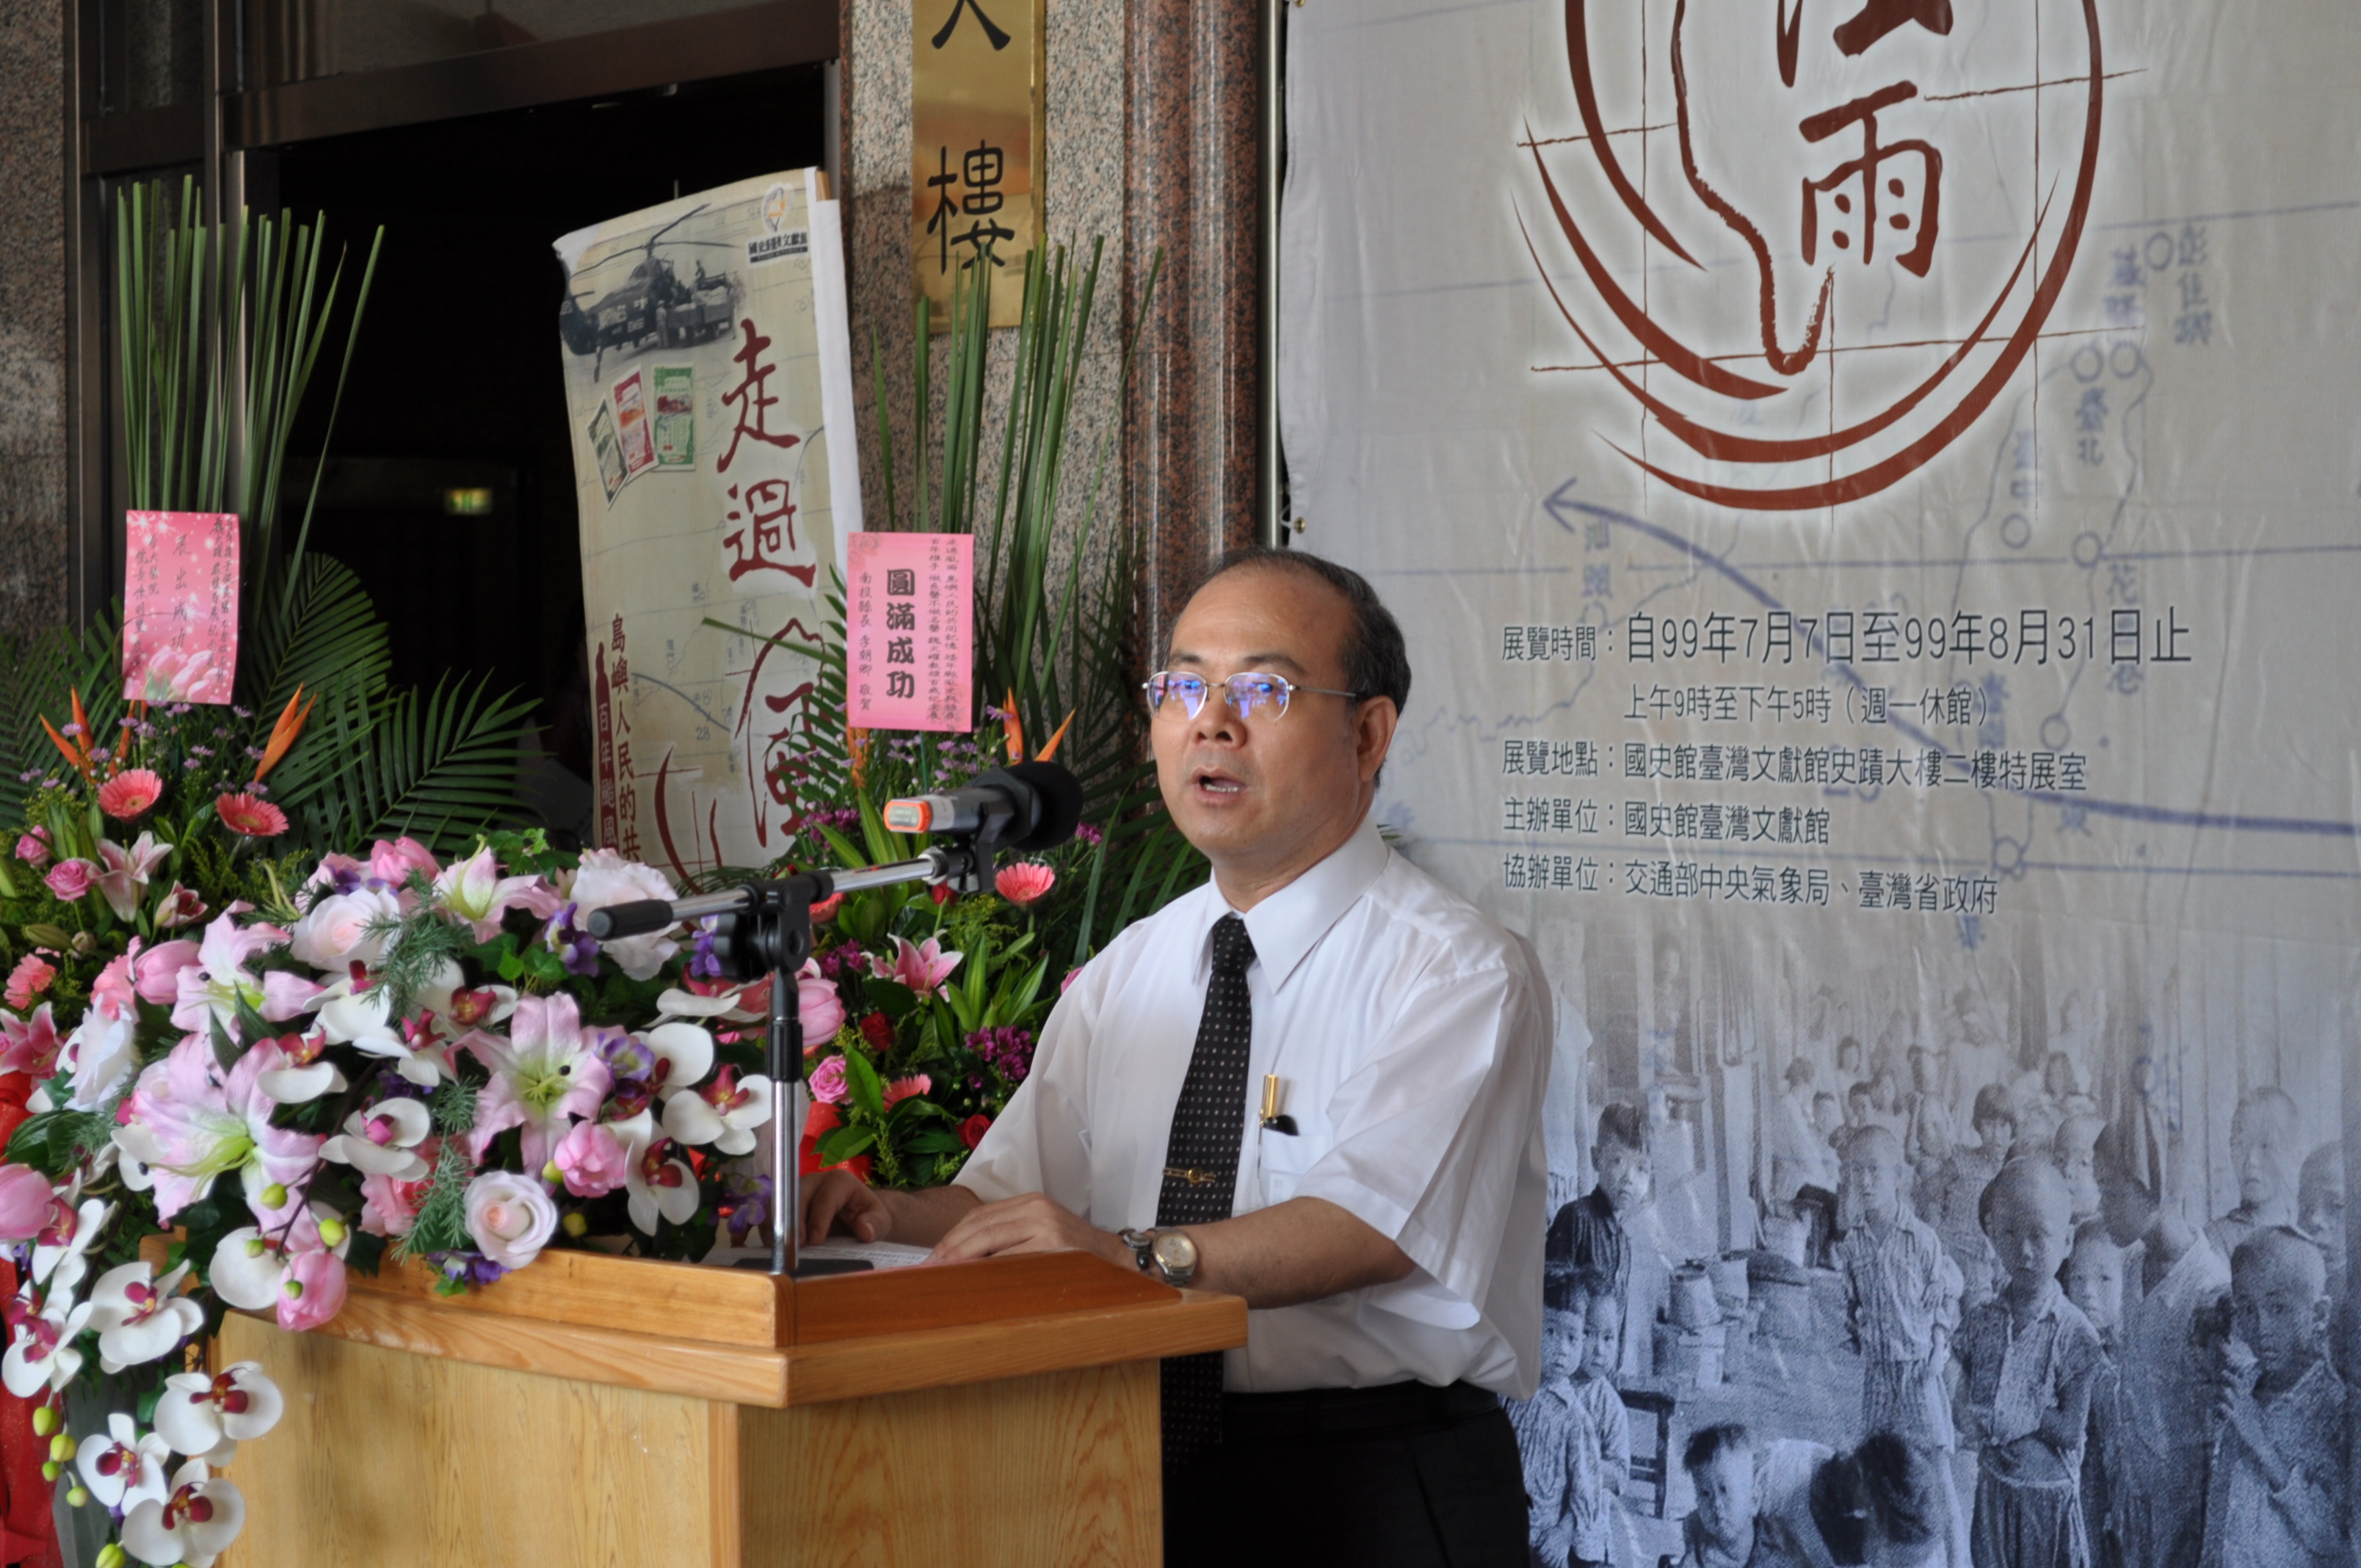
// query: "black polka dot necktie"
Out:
[1201,1171]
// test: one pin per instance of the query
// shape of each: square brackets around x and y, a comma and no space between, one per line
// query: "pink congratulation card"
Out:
[180,607]
[909,639]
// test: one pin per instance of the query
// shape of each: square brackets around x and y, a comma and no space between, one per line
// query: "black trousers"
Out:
[1404,1476]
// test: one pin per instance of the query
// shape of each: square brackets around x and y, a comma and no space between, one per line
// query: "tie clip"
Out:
[1192,1176]
[1271,1093]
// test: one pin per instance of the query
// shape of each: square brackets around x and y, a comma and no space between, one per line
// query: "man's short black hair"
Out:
[1376,663]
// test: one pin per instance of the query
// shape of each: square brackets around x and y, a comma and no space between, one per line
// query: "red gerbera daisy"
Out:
[254,819]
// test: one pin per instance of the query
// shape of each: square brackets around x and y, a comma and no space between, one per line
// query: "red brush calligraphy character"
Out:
[753,397]
[769,521]
[1854,189]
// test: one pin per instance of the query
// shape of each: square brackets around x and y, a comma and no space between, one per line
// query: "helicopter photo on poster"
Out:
[693,340]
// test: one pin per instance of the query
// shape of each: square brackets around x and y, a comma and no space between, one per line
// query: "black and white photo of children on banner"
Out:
[2026,1254]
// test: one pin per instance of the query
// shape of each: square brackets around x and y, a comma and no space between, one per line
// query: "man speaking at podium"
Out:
[1315,1082]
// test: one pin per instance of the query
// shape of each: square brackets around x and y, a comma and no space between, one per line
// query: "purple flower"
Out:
[1008,1050]
[704,963]
[579,947]
[745,1204]
[466,1267]
[1088,834]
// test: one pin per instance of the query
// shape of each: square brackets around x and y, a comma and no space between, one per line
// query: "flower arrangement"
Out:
[240,1058]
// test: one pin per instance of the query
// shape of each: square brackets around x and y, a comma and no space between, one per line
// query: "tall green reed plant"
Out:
[221,328]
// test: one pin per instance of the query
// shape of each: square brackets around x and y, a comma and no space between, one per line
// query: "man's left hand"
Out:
[1029,1223]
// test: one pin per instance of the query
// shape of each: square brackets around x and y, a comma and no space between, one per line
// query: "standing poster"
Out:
[180,607]
[1872,489]
[909,632]
[707,373]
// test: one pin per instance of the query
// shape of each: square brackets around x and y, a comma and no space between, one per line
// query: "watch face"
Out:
[1176,1252]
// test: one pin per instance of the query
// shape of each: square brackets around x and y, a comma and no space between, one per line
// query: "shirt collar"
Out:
[1288,923]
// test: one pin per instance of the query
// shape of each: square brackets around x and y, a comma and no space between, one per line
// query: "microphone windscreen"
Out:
[1060,811]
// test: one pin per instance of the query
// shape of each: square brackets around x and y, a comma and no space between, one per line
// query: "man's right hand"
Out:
[842,1202]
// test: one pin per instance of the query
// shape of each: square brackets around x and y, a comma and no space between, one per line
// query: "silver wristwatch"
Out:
[1170,1255]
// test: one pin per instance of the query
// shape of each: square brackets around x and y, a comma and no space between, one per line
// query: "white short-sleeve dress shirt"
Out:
[1411,1037]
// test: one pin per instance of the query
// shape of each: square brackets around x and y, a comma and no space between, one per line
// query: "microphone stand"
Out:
[764,926]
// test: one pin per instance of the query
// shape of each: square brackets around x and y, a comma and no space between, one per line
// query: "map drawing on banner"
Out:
[1872,492]
[703,343]
[180,607]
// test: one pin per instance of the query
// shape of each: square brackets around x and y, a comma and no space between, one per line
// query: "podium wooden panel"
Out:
[597,1410]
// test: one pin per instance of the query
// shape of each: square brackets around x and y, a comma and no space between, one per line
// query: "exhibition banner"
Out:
[1872,490]
[705,372]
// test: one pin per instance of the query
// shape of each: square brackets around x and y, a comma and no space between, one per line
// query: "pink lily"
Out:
[188,1126]
[545,1075]
[923,967]
[125,871]
[473,891]
[31,1043]
[219,979]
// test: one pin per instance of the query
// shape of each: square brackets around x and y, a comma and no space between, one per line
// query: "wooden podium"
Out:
[603,1411]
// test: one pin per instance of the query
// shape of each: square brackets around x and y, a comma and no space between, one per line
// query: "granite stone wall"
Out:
[34,562]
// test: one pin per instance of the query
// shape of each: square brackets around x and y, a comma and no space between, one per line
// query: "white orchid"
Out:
[122,1469]
[60,1253]
[359,1020]
[206,1417]
[192,1526]
[383,1139]
[725,1112]
[42,1356]
[730,1004]
[138,1319]
[307,1075]
[660,1185]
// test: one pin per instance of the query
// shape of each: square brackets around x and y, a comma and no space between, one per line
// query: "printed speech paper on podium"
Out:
[1872,493]
[707,377]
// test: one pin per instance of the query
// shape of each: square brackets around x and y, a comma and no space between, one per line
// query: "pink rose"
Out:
[827,1081]
[335,931]
[31,977]
[155,973]
[33,849]
[818,1006]
[71,879]
[24,1202]
[392,864]
[606,878]
[510,1218]
[592,1159]
[1073,975]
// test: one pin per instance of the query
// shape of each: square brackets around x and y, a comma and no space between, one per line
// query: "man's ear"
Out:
[2323,1313]
[1373,734]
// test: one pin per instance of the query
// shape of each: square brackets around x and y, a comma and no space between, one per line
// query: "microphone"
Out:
[1031,805]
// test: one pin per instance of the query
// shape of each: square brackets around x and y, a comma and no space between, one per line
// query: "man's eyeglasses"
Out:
[1253,694]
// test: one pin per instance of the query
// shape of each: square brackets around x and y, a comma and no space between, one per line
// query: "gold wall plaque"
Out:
[976,126]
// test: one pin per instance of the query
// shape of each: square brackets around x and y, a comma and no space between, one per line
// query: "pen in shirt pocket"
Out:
[1273,1091]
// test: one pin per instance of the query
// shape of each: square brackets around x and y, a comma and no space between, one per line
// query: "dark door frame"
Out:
[216,133]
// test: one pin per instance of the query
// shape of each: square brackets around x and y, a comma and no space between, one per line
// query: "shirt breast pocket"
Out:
[1285,1158]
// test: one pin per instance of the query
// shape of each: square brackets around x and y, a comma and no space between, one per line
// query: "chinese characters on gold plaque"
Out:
[976,132]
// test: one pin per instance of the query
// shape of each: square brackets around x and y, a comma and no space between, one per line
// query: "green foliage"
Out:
[423,943]
[442,1222]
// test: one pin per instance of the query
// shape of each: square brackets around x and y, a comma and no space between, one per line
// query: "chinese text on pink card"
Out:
[180,607]
[910,631]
